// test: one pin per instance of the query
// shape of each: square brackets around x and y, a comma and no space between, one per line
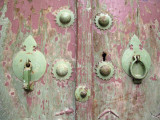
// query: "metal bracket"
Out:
[29,56]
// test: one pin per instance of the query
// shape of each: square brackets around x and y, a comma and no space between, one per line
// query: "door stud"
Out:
[105,70]
[82,93]
[65,18]
[103,21]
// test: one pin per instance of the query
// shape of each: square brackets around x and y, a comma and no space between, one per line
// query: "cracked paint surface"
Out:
[82,45]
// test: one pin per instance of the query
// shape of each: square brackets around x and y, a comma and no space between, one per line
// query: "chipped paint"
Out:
[82,45]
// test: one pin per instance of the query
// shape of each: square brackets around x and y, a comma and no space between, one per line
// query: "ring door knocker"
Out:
[137,68]
[29,64]
[136,61]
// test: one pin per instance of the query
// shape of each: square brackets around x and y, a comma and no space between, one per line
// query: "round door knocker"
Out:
[136,61]
[65,18]
[137,68]
[82,93]
[103,21]
[62,70]
[105,70]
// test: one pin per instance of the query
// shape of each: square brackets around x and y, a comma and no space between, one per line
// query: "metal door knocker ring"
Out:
[138,69]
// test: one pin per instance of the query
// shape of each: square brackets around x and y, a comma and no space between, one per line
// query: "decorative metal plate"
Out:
[36,57]
[134,50]
[62,70]
[105,70]
[82,93]
[103,21]
[65,18]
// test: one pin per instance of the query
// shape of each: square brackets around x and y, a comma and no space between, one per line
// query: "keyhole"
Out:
[27,64]
[104,56]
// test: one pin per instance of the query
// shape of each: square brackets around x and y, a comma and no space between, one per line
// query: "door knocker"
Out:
[136,61]
[29,64]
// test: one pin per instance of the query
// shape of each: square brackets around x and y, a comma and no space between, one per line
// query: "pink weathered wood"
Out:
[84,56]
[51,99]
[82,45]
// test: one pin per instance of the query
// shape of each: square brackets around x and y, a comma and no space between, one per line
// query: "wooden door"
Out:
[84,46]
[51,99]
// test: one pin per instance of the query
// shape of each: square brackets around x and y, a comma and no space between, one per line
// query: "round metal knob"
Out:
[83,94]
[62,70]
[103,21]
[65,17]
[105,70]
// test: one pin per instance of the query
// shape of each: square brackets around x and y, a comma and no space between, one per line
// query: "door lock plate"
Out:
[35,57]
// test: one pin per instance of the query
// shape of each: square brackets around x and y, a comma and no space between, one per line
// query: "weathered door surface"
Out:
[68,54]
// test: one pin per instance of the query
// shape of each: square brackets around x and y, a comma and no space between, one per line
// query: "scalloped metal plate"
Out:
[100,64]
[67,64]
[127,57]
[36,57]
[58,18]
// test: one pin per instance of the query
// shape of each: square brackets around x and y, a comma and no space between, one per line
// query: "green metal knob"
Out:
[82,93]
[62,70]
[65,17]
[138,69]
[105,70]
[103,21]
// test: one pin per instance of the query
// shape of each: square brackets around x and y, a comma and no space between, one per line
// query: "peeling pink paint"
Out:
[29,100]
[6,83]
[43,104]
[9,77]
[39,92]
[12,93]
[149,10]
[154,78]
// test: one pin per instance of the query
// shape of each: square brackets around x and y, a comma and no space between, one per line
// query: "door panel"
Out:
[126,100]
[51,99]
